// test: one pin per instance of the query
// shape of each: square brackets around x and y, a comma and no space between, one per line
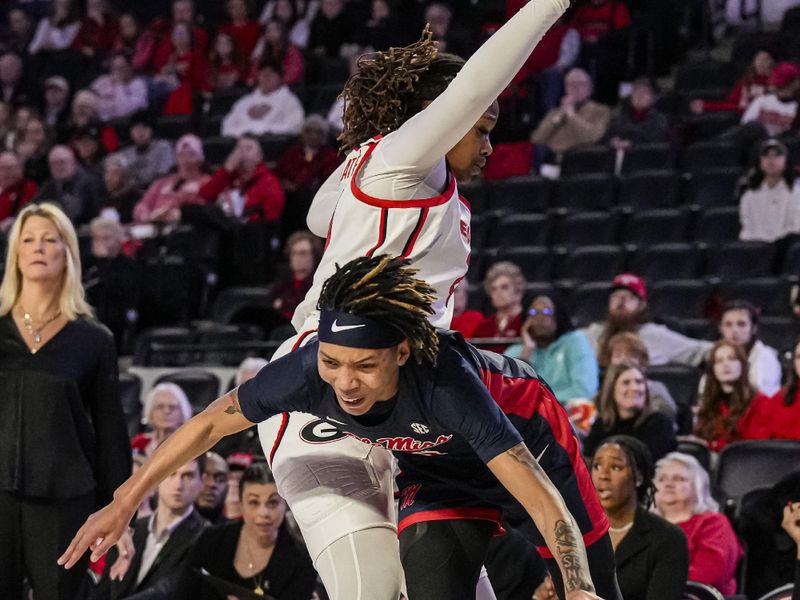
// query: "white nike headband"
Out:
[354,331]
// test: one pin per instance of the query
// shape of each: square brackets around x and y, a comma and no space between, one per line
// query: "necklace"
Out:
[622,529]
[257,590]
[34,331]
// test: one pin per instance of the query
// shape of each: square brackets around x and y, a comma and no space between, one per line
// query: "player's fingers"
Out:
[102,545]
[74,551]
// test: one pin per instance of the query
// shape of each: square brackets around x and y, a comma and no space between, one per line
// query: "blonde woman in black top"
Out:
[63,443]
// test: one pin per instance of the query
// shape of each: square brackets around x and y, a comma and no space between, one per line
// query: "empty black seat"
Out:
[172,127]
[791,259]
[520,194]
[697,449]
[222,338]
[644,157]
[520,230]
[592,159]
[718,225]
[679,297]
[656,226]
[737,260]
[710,125]
[713,187]
[594,191]
[701,591]
[779,332]
[589,302]
[705,75]
[536,262]
[586,229]
[273,146]
[745,466]
[130,395]
[147,354]
[650,189]
[769,294]
[592,263]
[476,195]
[667,261]
[712,155]
[201,387]
[217,149]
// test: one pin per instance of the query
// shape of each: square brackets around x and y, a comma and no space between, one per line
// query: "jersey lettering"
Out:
[406,444]
[465,231]
[407,495]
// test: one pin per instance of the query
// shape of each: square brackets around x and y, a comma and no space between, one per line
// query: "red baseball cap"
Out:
[783,74]
[632,283]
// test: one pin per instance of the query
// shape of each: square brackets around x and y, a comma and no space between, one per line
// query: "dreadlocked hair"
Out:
[392,86]
[384,288]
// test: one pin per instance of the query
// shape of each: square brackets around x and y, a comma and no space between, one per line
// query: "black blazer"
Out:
[162,578]
[652,559]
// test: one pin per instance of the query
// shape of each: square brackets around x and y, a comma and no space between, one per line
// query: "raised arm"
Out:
[425,138]
[522,476]
[103,528]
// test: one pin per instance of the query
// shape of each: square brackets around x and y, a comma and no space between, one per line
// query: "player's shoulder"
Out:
[454,348]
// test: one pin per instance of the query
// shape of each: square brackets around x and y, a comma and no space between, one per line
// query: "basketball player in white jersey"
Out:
[410,139]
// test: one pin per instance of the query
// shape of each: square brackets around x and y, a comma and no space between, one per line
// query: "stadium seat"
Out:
[592,159]
[645,157]
[539,288]
[591,263]
[790,23]
[520,195]
[329,70]
[273,146]
[130,395]
[783,592]
[594,191]
[697,449]
[713,187]
[745,46]
[656,226]
[701,328]
[170,290]
[737,260]
[779,332]
[218,335]
[650,189]
[217,149]
[585,229]
[172,127]
[791,259]
[718,225]
[666,261]
[589,302]
[705,75]
[710,125]
[769,294]
[320,98]
[520,230]
[479,226]
[682,381]
[679,297]
[476,195]
[223,100]
[536,262]
[712,155]
[145,354]
[202,387]
[701,591]
[748,465]
[231,301]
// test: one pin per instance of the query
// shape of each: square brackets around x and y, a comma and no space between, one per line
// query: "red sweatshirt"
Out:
[714,551]
[740,96]
[264,198]
[594,22]
[770,418]
[14,199]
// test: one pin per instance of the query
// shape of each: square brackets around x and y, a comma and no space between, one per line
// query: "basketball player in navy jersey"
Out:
[464,424]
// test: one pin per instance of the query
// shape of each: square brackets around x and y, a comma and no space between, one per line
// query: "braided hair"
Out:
[392,86]
[641,462]
[384,289]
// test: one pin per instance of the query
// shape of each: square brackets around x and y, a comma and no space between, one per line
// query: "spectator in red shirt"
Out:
[134,42]
[227,67]
[98,31]
[304,250]
[244,187]
[184,71]
[754,83]
[275,47]
[182,14]
[598,18]
[725,403]
[683,497]
[15,190]
[465,320]
[241,28]
[504,283]
[778,417]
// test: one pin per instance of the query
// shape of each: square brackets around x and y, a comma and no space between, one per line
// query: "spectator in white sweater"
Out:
[739,326]
[271,108]
[58,29]
[777,111]
[121,92]
[628,311]
[769,208]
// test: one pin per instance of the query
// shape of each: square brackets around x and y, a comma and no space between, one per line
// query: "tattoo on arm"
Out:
[522,455]
[567,548]
[234,406]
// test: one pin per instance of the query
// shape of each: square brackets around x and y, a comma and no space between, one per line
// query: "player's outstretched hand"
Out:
[101,531]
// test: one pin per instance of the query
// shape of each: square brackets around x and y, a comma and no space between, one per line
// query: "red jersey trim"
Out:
[301,339]
[381,203]
[381,232]
[447,514]
[409,247]
[279,437]
[465,202]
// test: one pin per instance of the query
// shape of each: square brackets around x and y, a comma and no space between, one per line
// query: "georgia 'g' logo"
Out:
[320,432]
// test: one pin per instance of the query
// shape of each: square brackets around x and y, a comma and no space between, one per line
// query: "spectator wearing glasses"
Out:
[504,283]
[562,356]
[166,408]
[304,250]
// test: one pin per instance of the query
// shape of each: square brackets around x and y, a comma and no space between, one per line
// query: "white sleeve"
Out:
[324,203]
[746,217]
[233,121]
[425,138]
[38,37]
[753,109]
[765,370]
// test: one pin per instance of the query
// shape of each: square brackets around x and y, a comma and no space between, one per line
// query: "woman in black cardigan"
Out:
[64,446]
[258,554]
[651,554]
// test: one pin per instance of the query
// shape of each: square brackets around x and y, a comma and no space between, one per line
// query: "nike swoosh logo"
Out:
[336,328]
[541,454]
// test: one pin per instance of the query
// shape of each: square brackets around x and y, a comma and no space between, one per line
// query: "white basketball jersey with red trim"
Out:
[434,233]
